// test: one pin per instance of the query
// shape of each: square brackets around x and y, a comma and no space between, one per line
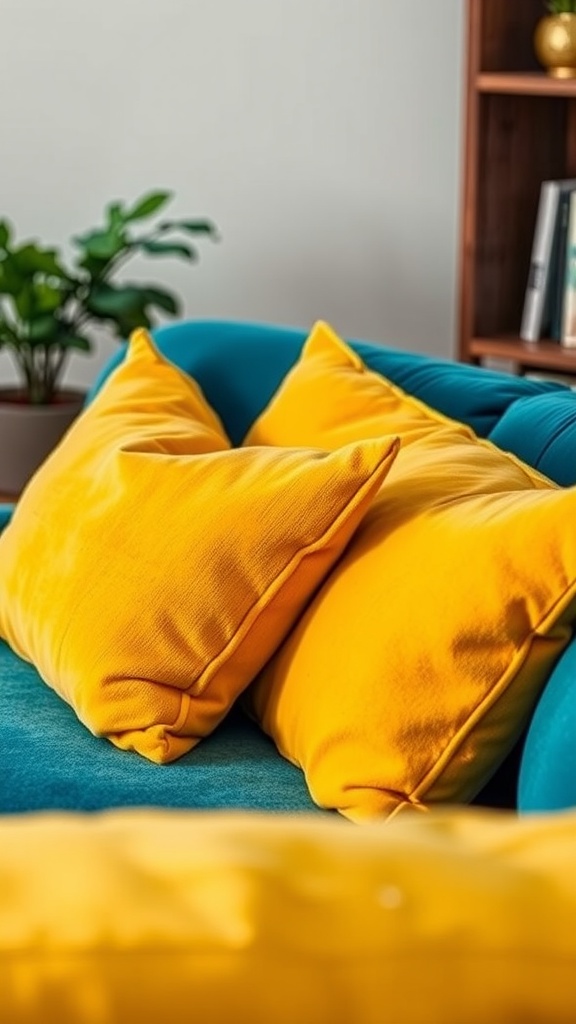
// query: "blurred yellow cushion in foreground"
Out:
[456,918]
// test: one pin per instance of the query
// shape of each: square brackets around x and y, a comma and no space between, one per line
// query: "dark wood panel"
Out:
[521,143]
[507,32]
[570,161]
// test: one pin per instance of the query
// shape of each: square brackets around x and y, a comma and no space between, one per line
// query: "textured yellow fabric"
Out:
[414,669]
[462,918]
[149,571]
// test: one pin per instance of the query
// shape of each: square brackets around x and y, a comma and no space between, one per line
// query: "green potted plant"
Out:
[555,39]
[48,306]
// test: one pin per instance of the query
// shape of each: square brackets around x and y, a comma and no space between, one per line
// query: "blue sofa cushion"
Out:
[541,430]
[50,761]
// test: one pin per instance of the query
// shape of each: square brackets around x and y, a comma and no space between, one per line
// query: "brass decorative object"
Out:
[555,44]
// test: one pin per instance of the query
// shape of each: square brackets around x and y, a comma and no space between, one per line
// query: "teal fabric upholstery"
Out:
[49,760]
[541,430]
[548,765]
[5,514]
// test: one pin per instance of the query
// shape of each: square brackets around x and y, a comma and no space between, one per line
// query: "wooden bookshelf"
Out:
[520,130]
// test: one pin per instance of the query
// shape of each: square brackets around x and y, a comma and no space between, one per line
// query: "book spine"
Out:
[534,300]
[559,274]
[568,335]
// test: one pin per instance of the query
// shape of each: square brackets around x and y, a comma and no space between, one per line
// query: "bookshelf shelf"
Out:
[520,131]
[534,84]
[542,355]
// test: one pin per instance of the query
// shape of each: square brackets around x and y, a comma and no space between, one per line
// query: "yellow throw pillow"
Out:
[414,669]
[149,571]
[450,918]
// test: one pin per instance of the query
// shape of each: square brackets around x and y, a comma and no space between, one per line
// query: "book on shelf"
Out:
[558,278]
[544,294]
[568,332]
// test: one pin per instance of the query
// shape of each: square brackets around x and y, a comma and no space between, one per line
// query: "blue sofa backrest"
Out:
[240,365]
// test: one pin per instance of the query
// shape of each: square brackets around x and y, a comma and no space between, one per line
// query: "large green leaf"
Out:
[147,205]
[24,302]
[129,303]
[48,298]
[94,267]
[77,341]
[31,259]
[102,245]
[42,329]
[128,322]
[193,227]
[36,298]
[5,233]
[162,299]
[115,215]
[106,300]
[154,248]
[11,278]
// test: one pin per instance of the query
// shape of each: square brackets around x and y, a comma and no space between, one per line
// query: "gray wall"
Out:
[323,136]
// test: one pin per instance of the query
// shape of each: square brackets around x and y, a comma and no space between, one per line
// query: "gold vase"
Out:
[555,44]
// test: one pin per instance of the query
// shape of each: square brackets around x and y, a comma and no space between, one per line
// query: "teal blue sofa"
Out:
[49,761]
